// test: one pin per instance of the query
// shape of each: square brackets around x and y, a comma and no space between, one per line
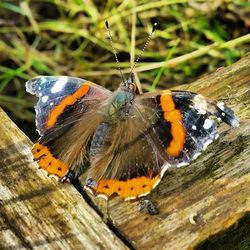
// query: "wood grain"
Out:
[37,212]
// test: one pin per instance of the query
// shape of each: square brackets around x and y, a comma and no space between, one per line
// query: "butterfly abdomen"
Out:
[99,139]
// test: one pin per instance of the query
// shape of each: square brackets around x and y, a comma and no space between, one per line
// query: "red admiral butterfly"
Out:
[125,141]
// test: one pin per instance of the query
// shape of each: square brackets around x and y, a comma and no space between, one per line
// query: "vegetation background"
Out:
[68,37]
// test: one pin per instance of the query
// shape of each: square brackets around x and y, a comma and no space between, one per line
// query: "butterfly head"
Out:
[129,84]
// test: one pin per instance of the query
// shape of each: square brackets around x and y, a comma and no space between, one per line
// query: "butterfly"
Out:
[124,141]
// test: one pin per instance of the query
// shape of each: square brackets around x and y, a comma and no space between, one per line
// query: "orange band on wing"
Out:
[173,116]
[48,162]
[126,189]
[167,103]
[67,101]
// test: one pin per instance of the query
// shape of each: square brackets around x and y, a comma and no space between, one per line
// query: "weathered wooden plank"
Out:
[211,194]
[37,212]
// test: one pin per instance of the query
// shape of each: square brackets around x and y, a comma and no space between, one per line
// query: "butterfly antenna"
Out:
[144,47]
[113,48]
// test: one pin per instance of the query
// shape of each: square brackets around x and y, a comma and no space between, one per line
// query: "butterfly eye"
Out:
[132,86]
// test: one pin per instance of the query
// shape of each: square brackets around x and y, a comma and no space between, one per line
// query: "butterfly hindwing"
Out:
[126,159]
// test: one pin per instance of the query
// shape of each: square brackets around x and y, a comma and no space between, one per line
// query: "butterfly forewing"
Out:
[184,122]
[58,96]
[128,161]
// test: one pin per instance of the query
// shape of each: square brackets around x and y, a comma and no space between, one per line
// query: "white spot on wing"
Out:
[194,127]
[164,169]
[235,123]
[207,124]
[132,198]
[51,104]
[103,196]
[221,105]
[45,98]
[88,189]
[42,80]
[196,155]
[183,164]
[200,104]
[59,84]
[206,144]
[140,195]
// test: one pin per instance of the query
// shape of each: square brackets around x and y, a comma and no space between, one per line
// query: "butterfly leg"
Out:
[103,204]
[106,216]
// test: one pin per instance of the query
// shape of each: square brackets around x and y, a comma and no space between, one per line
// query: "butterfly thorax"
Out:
[120,107]
[121,102]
